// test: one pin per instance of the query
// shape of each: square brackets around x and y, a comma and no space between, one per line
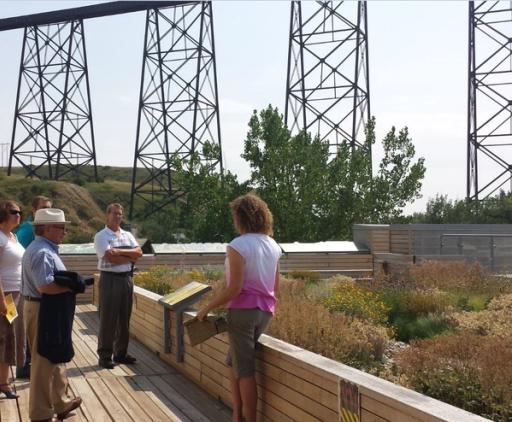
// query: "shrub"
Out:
[348,298]
[464,370]
[471,302]
[307,276]
[415,313]
[308,324]
[461,277]
[161,279]
[495,321]
[419,327]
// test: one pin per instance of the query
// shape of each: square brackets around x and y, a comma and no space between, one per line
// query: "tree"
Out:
[398,180]
[202,214]
[441,210]
[315,196]
[289,173]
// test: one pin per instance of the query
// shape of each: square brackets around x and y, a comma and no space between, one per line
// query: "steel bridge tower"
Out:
[489,138]
[328,89]
[53,126]
[178,107]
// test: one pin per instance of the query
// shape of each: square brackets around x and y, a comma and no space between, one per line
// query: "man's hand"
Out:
[112,252]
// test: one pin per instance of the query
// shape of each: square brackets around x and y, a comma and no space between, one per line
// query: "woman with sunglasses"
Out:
[12,335]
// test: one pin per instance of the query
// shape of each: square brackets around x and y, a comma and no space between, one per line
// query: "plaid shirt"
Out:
[107,239]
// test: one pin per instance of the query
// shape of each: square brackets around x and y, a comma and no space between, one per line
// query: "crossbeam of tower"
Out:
[84,12]
[327,90]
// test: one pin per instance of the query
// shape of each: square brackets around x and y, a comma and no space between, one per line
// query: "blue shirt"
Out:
[39,263]
[25,232]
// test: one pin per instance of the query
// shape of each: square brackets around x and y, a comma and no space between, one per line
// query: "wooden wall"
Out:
[294,384]
[401,241]
[326,263]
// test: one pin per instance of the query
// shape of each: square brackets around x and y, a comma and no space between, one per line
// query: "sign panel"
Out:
[184,293]
[349,402]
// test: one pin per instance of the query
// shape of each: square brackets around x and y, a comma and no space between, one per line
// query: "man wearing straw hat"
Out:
[48,381]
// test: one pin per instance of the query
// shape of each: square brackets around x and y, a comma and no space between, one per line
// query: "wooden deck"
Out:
[148,391]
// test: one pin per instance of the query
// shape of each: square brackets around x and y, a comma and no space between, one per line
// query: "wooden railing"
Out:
[294,384]
[355,264]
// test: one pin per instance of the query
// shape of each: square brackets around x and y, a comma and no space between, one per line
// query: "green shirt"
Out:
[25,232]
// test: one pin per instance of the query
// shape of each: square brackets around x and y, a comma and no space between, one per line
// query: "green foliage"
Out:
[417,313]
[161,227]
[441,210]
[161,279]
[315,196]
[476,302]
[348,298]
[204,214]
[398,180]
[407,328]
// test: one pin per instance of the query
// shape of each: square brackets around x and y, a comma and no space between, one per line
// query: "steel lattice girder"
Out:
[489,141]
[178,108]
[327,91]
[53,123]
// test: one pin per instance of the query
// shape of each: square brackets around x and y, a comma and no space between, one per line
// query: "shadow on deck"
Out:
[151,390]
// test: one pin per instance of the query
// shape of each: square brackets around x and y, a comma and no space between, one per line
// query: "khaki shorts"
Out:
[244,328]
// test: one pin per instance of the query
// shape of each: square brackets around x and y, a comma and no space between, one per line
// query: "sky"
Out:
[418,78]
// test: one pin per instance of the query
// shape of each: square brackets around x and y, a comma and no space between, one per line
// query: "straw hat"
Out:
[49,216]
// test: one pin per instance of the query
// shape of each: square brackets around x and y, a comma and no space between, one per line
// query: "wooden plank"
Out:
[299,400]
[91,405]
[109,400]
[130,406]
[301,386]
[8,410]
[215,410]
[285,407]
[173,404]
[370,417]
[144,401]
[393,412]
[20,406]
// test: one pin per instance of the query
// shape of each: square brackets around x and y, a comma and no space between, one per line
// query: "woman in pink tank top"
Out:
[252,280]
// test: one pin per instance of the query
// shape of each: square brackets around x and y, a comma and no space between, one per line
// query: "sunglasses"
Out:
[15,212]
[60,227]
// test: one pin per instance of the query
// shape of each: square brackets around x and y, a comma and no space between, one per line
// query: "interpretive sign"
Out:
[185,294]
[349,402]
[179,301]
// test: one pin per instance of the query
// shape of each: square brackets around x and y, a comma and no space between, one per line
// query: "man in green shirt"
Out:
[24,232]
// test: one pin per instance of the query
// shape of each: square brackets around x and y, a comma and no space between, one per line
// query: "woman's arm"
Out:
[236,281]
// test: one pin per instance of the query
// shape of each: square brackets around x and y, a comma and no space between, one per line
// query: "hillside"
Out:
[76,201]
[120,174]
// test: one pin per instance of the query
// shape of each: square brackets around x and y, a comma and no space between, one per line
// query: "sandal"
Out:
[9,394]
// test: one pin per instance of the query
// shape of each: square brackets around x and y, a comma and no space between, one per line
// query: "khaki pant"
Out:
[48,381]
